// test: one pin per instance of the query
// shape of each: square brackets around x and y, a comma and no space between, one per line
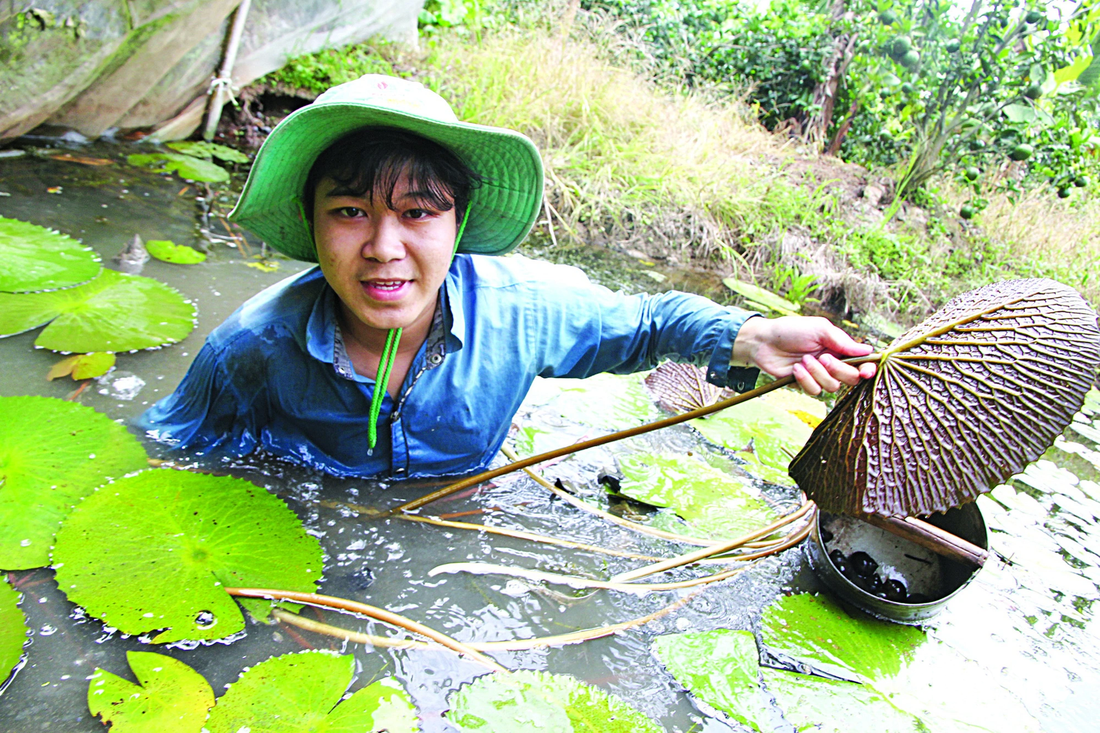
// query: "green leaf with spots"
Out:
[114,312]
[758,296]
[188,167]
[712,500]
[36,258]
[295,693]
[544,702]
[153,551]
[815,629]
[52,454]
[770,428]
[721,668]
[169,696]
[835,706]
[168,251]
[13,631]
[207,150]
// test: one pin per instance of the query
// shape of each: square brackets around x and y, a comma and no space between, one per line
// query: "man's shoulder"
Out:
[485,271]
[277,312]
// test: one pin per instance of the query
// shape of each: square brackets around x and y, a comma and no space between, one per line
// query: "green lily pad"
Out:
[721,668]
[605,401]
[13,631]
[773,426]
[188,167]
[168,251]
[835,706]
[551,703]
[52,454]
[207,150]
[152,551]
[36,258]
[169,696]
[713,501]
[298,692]
[114,312]
[759,296]
[82,366]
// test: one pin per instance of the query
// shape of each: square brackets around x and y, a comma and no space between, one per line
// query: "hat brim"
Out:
[502,209]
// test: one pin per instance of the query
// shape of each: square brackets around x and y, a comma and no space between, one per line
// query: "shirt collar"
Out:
[454,315]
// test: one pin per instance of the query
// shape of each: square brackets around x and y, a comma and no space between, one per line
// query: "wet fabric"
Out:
[275,375]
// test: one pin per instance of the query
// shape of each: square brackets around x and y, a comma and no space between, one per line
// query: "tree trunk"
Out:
[816,129]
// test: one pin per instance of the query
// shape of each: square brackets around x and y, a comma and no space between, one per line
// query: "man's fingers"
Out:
[808,384]
[840,371]
[821,375]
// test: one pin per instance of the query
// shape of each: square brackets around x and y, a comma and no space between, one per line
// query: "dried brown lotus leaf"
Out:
[960,403]
[682,387]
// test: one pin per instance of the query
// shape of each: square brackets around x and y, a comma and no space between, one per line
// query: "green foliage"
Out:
[114,312]
[167,251]
[208,150]
[153,551]
[52,454]
[36,258]
[83,366]
[169,696]
[316,72]
[13,630]
[189,167]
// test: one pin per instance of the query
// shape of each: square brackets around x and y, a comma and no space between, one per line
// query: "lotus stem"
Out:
[539,576]
[380,614]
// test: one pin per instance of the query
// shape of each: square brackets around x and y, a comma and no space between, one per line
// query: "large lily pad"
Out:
[721,668]
[13,631]
[767,430]
[169,696]
[114,312]
[152,551]
[555,703]
[960,403]
[301,692]
[713,501]
[36,258]
[836,706]
[52,454]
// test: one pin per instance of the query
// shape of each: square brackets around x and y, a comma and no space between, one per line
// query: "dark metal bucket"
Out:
[933,579]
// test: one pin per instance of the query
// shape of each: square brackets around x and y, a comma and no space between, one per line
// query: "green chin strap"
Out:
[389,354]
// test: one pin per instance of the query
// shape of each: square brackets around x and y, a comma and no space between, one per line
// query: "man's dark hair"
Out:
[370,161]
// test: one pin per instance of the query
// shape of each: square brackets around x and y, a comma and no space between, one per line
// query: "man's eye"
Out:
[350,211]
[417,213]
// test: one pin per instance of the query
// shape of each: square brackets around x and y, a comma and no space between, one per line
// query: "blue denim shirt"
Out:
[275,374]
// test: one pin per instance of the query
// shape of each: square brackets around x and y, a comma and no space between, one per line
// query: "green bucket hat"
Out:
[502,209]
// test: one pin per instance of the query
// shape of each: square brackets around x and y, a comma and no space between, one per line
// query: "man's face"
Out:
[386,265]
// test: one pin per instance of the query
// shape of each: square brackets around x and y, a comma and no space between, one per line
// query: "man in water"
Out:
[410,348]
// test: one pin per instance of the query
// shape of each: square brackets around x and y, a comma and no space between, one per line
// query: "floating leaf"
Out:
[959,403]
[836,706]
[604,401]
[152,551]
[298,692]
[114,312]
[36,258]
[721,668]
[169,696]
[189,168]
[52,453]
[13,631]
[264,265]
[168,251]
[203,149]
[551,703]
[82,366]
[760,296]
[713,501]
[682,387]
[771,428]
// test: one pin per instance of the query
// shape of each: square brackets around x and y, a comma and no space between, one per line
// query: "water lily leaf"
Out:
[152,551]
[816,630]
[682,387]
[114,312]
[13,631]
[36,258]
[82,366]
[836,706]
[713,501]
[298,692]
[189,168]
[551,703]
[959,403]
[207,150]
[168,251]
[604,401]
[721,668]
[760,296]
[772,427]
[169,696]
[52,453]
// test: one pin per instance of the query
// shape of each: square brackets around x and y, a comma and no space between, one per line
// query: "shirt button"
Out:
[399,470]
[435,359]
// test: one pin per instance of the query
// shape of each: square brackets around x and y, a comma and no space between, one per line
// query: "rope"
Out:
[381,384]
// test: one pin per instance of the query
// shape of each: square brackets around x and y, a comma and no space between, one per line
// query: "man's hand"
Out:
[807,347]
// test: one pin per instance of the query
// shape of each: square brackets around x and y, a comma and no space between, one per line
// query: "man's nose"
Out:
[384,241]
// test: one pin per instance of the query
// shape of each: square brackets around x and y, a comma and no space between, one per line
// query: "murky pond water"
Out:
[1026,624]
